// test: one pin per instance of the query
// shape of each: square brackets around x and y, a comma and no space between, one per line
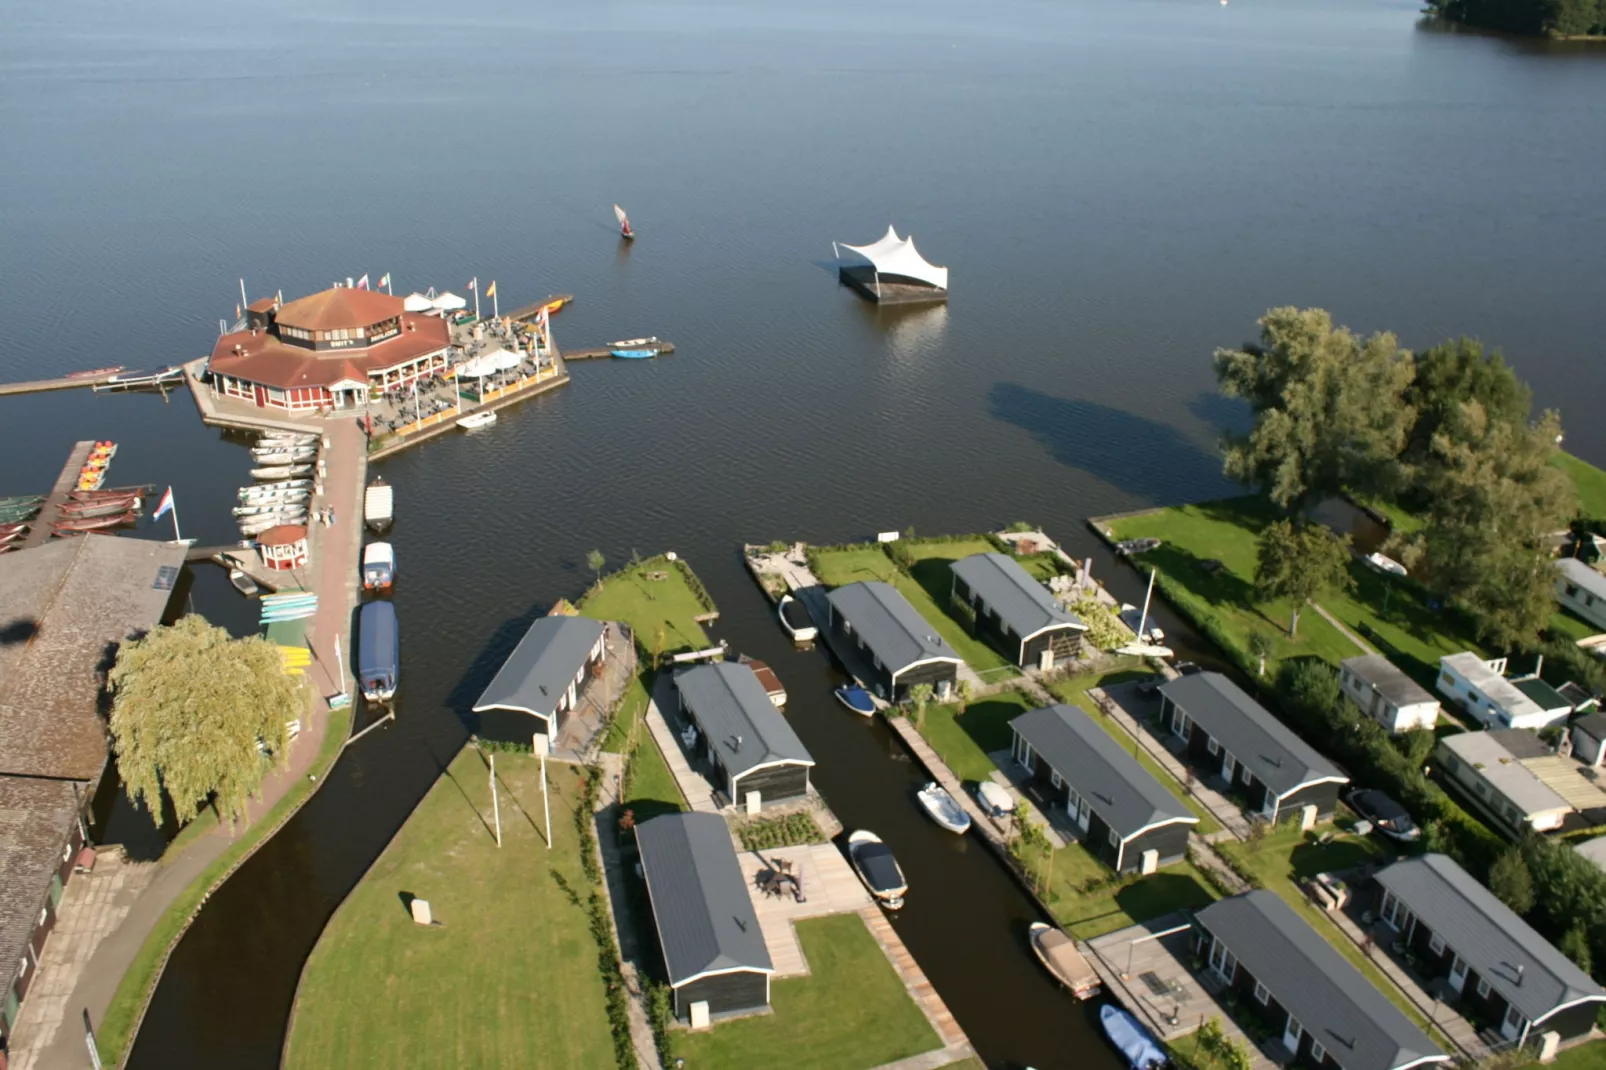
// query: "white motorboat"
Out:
[995,798]
[796,620]
[877,868]
[378,566]
[943,808]
[297,455]
[475,420]
[257,525]
[281,471]
[378,504]
[1385,563]
[1057,952]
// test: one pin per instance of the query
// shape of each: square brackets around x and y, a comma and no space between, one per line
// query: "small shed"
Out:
[1589,739]
[284,547]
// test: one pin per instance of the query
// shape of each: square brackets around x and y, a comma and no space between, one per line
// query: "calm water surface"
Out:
[1117,187]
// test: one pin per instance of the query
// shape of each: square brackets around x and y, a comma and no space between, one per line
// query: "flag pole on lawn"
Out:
[496,806]
[546,805]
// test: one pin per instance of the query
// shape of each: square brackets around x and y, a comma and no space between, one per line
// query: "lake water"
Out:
[1117,187]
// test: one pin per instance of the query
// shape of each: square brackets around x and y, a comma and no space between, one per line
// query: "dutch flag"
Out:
[165,506]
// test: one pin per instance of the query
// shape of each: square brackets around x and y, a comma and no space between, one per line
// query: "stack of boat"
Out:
[288,605]
[14,516]
[92,476]
[285,464]
[99,510]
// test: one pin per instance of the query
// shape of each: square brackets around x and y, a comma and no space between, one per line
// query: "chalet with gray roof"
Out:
[1320,1008]
[713,948]
[1384,692]
[901,646]
[1488,956]
[738,729]
[542,680]
[1123,815]
[1230,735]
[1014,612]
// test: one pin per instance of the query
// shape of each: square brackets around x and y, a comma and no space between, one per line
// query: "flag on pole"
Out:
[490,291]
[165,506]
[384,280]
[362,283]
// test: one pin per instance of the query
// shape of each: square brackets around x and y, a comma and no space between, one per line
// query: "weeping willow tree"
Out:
[193,710]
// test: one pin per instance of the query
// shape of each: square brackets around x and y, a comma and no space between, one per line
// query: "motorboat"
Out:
[257,525]
[943,808]
[1142,1051]
[635,348]
[276,488]
[243,582]
[281,471]
[271,505]
[1384,563]
[378,505]
[378,566]
[1134,618]
[483,418]
[995,798]
[877,868]
[796,620]
[378,651]
[1057,952]
[856,699]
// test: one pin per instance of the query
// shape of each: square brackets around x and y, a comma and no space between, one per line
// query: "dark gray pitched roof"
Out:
[1264,745]
[728,702]
[36,819]
[1120,790]
[1021,602]
[1504,950]
[1337,1005]
[1389,679]
[539,670]
[889,625]
[700,904]
[1592,723]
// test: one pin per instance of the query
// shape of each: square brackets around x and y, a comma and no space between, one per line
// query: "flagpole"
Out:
[496,805]
[388,287]
[243,301]
[418,415]
[496,304]
[172,507]
[545,804]
[476,289]
[340,665]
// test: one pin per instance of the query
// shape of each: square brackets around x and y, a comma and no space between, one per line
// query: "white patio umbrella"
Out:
[417,303]
[449,302]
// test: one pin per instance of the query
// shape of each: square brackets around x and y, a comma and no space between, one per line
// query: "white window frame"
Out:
[1262,994]
[1213,746]
[1055,779]
[1181,724]
[1115,841]
[1436,943]
[1484,989]
[1317,1052]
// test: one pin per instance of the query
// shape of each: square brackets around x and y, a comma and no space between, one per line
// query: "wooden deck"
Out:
[40,386]
[39,527]
[597,352]
[829,883]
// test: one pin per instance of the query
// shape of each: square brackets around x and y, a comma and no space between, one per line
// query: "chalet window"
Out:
[1572,590]
[1180,725]
[1446,682]
[1115,841]
[1436,944]
[1483,989]
[1055,779]
[1317,1052]
[1222,960]
[22,970]
[1262,994]
[1512,815]
[1213,747]
[847,626]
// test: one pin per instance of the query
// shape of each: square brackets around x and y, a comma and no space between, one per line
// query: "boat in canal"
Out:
[378,651]
[475,420]
[856,699]
[943,808]
[378,505]
[635,348]
[281,471]
[1057,952]
[378,566]
[243,582]
[795,619]
[1140,1049]
[877,868]
[624,224]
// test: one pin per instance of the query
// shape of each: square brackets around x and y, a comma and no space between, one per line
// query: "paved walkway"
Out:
[694,786]
[1366,647]
[615,877]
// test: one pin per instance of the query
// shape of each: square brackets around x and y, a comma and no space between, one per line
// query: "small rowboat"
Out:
[477,420]
[24,499]
[85,510]
[8,537]
[1141,1050]
[943,808]
[856,699]
[635,348]
[242,582]
[144,490]
[98,523]
[554,303]
[995,799]
[113,370]
[281,471]
[1057,952]
[795,619]
[877,868]
[13,529]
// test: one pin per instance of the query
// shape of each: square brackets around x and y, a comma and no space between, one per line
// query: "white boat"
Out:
[378,566]
[943,808]
[995,798]
[289,438]
[378,504]
[257,525]
[242,582]
[634,343]
[281,471]
[1133,618]
[1057,952]
[271,490]
[795,619]
[268,509]
[475,420]
[279,455]
[1384,563]
[877,868]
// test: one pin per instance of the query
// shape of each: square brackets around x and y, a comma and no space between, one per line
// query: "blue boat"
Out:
[378,651]
[856,699]
[1142,1051]
[635,348]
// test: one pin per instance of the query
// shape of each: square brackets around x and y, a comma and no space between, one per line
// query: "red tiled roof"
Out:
[283,535]
[341,307]
[262,358]
[261,304]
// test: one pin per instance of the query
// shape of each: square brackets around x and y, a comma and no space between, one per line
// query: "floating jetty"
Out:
[597,352]
[66,382]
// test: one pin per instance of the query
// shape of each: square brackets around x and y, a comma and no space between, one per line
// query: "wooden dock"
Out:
[598,352]
[533,309]
[39,529]
[66,382]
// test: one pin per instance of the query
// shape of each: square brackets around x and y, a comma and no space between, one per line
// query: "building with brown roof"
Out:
[331,349]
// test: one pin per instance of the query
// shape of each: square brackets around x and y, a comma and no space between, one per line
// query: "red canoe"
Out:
[71,527]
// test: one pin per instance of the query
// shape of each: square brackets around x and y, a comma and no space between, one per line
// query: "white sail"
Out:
[619,214]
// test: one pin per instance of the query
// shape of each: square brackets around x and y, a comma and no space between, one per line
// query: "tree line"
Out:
[1536,18]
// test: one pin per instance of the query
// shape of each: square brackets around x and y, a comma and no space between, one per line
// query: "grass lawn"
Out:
[1287,854]
[653,791]
[1567,626]
[964,741]
[1589,481]
[1591,1056]
[1088,913]
[869,562]
[650,596]
[509,978]
[850,1013]
[1073,690]
[1411,632]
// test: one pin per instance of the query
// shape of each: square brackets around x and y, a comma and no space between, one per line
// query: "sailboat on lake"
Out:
[624,223]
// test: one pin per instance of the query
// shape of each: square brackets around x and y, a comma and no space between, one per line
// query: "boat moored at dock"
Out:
[877,868]
[378,651]
[796,620]
[378,505]
[473,421]
[378,566]
[856,699]
[1142,1051]
[1059,956]
[636,348]
[943,808]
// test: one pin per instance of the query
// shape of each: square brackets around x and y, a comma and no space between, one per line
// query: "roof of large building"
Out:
[339,307]
[736,714]
[1389,679]
[64,607]
[1497,757]
[1099,769]
[1271,752]
[1583,575]
[260,356]
[705,918]
[1338,1007]
[541,668]
[36,818]
[1493,685]
[1520,964]
[889,625]
[1021,602]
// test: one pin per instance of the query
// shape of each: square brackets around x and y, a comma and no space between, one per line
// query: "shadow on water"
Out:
[1222,413]
[1121,448]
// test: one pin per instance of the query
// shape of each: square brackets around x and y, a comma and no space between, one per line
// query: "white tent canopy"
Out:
[488,363]
[449,302]
[893,255]
[417,303]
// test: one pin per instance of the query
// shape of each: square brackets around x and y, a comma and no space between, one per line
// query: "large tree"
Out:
[1453,373]
[1300,562]
[1329,408]
[190,706]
